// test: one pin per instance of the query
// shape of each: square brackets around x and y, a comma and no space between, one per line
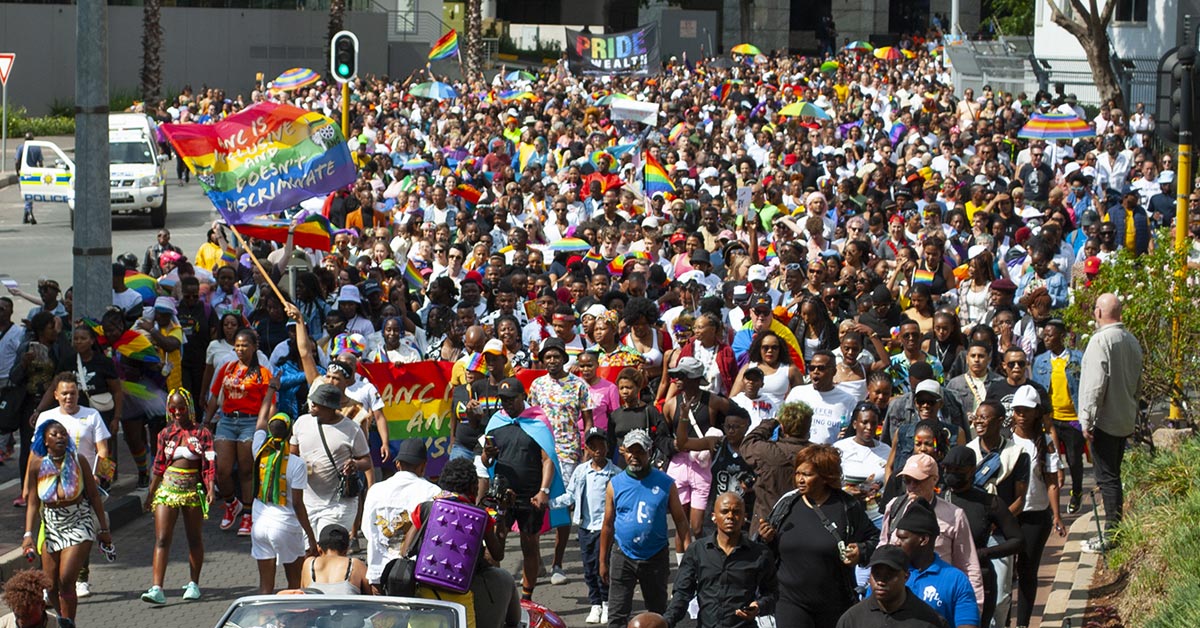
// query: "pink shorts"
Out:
[693,480]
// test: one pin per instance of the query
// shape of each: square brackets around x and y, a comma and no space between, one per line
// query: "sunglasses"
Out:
[1016,363]
[766,347]
[926,401]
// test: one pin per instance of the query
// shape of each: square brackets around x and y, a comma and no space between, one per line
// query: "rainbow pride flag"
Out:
[136,346]
[264,159]
[593,256]
[467,193]
[413,276]
[144,285]
[655,178]
[923,276]
[311,232]
[445,47]
[771,252]
[676,132]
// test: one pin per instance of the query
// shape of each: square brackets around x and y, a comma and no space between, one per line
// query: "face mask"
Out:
[954,480]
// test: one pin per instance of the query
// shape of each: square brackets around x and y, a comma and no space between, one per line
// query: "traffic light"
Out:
[1170,97]
[343,56]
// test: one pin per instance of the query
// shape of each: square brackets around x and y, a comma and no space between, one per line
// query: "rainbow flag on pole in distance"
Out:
[264,159]
[312,232]
[656,179]
[445,47]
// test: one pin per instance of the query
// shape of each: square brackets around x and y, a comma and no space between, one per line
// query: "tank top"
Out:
[654,355]
[343,587]
[776,384]
[641,505]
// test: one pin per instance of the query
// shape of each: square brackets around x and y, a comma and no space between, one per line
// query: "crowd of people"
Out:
[852,398]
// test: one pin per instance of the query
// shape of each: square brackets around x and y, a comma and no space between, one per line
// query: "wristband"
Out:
[545,490]
[28,535]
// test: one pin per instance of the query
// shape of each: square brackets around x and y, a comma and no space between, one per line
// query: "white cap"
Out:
[757,272]
[595,310]
[681,165]
[349,293]
[929,386]
[650,222]
[691,276]
[976,251]
[1026,397]
[709,172]
[1166,176]
[496,346]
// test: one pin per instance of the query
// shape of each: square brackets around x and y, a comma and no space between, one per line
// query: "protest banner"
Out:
[634,52]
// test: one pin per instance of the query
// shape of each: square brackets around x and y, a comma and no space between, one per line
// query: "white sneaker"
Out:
[83,589]
[594,616]
[1095,545]
[604,613]
[558,576]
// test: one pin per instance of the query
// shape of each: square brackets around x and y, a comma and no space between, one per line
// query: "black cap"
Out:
[919,518]
[700,255]
[412,451]
[550,344]
[326,395]
[881,295]
[890,555]
[761,300]
[595,432]
[372,287]
[510,388]
[960,456]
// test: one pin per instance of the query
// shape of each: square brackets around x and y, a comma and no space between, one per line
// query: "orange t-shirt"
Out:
[241,388]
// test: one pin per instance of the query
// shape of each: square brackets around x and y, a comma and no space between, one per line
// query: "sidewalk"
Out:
[8,177]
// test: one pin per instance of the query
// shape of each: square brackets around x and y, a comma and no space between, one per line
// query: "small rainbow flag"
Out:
[144,285]
[467,193]
[923,276]
[656,179]
[413,276]
[136,346]
[593,256]
[445,47]
[477,363]
[676,131]
[771,252]
[228,257]
[311,232]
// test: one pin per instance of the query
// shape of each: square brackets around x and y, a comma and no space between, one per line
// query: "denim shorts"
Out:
[235,429]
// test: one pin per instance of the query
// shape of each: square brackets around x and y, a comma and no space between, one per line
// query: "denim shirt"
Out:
[1043,370]
[588,484]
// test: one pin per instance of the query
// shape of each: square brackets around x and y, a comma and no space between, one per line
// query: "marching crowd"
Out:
[851,397]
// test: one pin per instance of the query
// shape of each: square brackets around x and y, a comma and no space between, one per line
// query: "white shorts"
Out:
[285,543]
[342,512]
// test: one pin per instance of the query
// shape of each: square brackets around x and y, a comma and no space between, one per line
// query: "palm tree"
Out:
[474,38]
[152,38]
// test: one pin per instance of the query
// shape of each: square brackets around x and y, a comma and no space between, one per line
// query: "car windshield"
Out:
[310,611]
[130,153]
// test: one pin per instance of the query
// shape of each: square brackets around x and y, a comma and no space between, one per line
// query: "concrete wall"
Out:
[685,31]
[769,25]
[860,20]
[215,47]
[1151,38]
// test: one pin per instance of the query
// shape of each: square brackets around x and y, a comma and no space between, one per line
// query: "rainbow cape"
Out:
[445,47]
[144,285]
[311,232]
[655,178]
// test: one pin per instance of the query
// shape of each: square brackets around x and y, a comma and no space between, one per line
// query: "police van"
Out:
[137,174]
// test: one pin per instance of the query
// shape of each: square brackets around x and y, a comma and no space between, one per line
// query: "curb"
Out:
[7,179]
[1072,584]
[121,511]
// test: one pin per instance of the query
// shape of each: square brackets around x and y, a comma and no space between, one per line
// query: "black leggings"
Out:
[1035,528]
[794,615]
[1072,440]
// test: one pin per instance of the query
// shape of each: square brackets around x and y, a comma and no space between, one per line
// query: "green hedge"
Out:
[20,123]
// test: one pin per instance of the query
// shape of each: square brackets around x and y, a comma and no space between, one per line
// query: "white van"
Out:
[137,175]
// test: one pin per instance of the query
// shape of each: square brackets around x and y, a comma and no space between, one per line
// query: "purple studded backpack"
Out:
[453,539]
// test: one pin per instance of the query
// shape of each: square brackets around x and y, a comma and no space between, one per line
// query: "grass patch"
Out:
[1159,539]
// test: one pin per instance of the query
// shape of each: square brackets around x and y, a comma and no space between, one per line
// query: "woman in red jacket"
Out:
[707,345]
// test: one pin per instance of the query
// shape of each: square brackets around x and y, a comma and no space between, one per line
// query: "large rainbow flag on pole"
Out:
[311,232]
[655,179]
[264,159]
[445,47]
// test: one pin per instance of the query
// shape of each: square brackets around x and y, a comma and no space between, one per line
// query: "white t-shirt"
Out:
[345,440]
[765,407]
[859,461]
[1036,496]
[831,411]
[297,477]
[386,514]
[128,301]
[85,426]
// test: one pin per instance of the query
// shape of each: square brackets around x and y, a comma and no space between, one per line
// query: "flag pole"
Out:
[257,264]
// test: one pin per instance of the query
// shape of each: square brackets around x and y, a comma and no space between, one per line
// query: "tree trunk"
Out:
[473,40]
[152,37]
[1099,57]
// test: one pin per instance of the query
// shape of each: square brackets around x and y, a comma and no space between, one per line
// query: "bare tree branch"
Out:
[1107,16]
[1079,31]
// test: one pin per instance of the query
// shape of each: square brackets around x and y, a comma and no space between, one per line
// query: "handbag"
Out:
[12,397]
[102,402]
[988,468]
[349,486]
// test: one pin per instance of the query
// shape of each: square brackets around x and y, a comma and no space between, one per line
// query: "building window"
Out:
[1132,10]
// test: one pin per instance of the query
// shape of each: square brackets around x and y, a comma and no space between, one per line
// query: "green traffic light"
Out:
[343,69]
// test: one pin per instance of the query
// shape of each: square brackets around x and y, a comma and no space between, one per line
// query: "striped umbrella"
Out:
[433,90]
[888,53]
[1055,126]
[745,49]
[416,163]
[607,100]
[830,66]
[570,244]
[859,46]
[805,109]
[519,75]
[295,78]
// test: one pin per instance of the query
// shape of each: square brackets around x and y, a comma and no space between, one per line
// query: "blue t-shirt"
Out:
[947,590]
[640,527]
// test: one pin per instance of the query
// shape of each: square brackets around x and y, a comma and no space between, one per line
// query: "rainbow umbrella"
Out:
[859,46]
[805,109]
[888,53]
[519,75]
[515,94]
[433,90]
[416,163]
[830,66]
[567,245]
[1055,126]
[745,49]
[607,100]
[295,78]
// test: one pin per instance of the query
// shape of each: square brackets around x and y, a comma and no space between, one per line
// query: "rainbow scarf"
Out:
[51,476]
[272,461]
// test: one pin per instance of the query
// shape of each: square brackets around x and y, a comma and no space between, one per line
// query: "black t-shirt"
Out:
[520,460]
[1036,182]
[811,573]
[730,472]
[94,378]
[622,420]
[1001,391]
[197,323]
[467,432]
[912,614]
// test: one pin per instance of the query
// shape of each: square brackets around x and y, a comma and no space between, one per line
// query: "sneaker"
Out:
[191,591]
[244,528]
[557,575]
[594,616]
[604,613]
[19,502]
[154,595]
[231,510]
[1073,506]
[1096,545]
[83,589]
[143,480]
